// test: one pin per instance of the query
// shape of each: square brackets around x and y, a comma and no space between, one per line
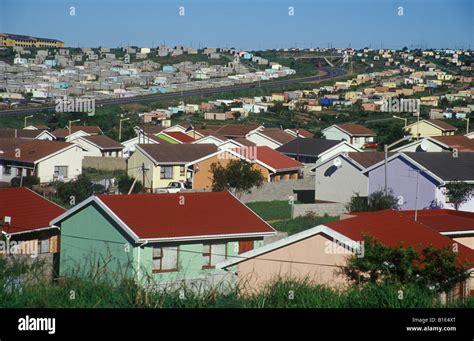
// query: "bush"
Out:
[28,181]
[125,183]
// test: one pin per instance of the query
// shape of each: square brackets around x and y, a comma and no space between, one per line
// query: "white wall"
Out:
[71,158]
[260,140]
[441,198]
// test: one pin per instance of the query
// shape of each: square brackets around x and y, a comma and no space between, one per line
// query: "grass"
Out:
[300,224]
[271,210]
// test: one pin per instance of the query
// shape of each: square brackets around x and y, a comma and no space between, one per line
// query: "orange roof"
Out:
[270,157]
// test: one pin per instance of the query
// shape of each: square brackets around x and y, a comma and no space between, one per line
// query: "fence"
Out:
[104,163]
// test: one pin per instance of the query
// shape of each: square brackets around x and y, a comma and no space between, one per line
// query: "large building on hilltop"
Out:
[12,40]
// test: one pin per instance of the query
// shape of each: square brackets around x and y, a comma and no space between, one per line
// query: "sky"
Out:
[245,24]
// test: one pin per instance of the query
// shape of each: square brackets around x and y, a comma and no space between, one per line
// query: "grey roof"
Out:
[177,153]
[311,147]
[445,166]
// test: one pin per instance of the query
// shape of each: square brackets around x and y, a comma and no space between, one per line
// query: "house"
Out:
[232,131]
[419,180]
[457,225]
[341,176]
[273,165]
[439,144]
[162,237]
[426,128]
[300,132]
[129,145]
[270,137]
[165,163]
[175,137]
[48,160]
[99,145]
[30,232]
[355,134]
[32,134]
[308,150]
[76,131]
[318,253]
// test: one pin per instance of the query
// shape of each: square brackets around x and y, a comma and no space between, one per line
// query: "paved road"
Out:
[329,73]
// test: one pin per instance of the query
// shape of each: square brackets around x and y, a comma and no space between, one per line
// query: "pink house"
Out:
[319,254]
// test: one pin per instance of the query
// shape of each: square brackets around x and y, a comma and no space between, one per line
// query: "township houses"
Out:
[273,165]
[165,163]
[99,145]
[76,132]
[425,128]
[419,179]
[355,134]
[48,160]
[270,137]
[342,176]
[318,254]
[24,220]
[193,232]
[310,150]
[32,134]
[439,144]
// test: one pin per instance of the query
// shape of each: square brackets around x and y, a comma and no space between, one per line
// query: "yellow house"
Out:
[426,128]
[431,101]
[156,165]
[278,97]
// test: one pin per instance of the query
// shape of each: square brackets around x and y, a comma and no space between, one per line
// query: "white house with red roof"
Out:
[158,237]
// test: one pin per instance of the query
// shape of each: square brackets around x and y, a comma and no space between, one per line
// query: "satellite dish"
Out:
[337,163]
[424,145]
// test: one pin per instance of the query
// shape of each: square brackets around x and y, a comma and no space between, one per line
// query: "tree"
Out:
[73,192]
[125,183]
[428,268]
[376,201]
[237,177]
[459,193]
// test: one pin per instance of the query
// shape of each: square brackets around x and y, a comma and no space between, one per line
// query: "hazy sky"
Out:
[246,24]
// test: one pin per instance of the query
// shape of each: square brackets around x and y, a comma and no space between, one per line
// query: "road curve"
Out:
[330,73]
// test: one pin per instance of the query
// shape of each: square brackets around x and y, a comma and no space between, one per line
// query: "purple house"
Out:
[418,180]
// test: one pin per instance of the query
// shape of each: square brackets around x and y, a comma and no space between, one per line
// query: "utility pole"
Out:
[143,177]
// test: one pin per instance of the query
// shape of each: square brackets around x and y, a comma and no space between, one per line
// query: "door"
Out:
[245,245]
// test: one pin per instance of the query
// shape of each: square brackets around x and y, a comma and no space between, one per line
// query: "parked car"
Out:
[174,187]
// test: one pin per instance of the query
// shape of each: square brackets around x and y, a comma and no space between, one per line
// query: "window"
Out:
[165,259]
[60,171]
[182,170]
[43,245]
[213,254]
[8,170]
[166,172]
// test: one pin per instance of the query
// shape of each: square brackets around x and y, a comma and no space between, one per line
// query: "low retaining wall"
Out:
[319,209]
[104,163]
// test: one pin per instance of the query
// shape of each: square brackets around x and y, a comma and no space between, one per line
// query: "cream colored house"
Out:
[427,128]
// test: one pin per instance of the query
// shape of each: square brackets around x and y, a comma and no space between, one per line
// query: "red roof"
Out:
[356,129]
[185,215]
[394,228]
[27,209]
[179,136]
[270,157]
[444,220]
